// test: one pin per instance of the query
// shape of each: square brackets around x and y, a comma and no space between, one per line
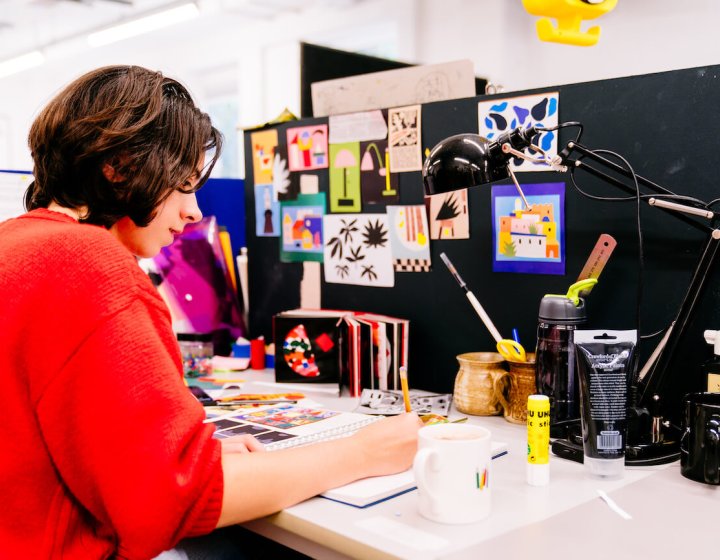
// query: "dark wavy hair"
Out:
[141,123]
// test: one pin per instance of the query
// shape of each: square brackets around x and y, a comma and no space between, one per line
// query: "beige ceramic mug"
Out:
[522,385]
[481,384]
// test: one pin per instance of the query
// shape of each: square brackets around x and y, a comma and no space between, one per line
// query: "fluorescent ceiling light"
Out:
[144,24]
[20,63]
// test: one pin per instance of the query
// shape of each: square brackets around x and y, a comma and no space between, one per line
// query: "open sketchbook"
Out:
[370,491]
[290,425]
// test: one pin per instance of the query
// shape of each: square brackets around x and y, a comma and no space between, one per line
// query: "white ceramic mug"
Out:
[452,472]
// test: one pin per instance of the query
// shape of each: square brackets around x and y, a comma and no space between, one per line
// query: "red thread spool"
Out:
[257,353]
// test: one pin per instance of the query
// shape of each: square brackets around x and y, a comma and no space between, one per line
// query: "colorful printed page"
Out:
[498,116]
[267,211]
[302,228]
[264,145]
[345,177]
[357,250]
[449,217]
[409,238]
[529,240]
[378,185]
[307,147]
[278,427]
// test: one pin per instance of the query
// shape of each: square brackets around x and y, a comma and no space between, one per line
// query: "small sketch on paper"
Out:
[357,250]
[449,217]
[404,139]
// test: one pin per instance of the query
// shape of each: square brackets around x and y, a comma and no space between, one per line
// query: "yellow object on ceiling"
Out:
[569,14]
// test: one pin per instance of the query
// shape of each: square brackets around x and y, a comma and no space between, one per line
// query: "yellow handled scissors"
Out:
[510,350]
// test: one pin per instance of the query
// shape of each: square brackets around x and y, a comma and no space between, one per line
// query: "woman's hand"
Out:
[389,445]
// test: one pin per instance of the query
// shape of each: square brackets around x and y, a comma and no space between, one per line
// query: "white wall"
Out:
[221,55]
[637,37]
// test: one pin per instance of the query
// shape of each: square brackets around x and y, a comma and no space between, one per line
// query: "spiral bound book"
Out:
[280,427]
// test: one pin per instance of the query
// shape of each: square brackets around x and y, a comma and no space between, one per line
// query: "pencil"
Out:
[404,385]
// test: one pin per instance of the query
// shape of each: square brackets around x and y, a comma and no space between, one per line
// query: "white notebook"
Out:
[369,491]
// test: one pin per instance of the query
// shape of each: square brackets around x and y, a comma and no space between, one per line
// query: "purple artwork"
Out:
[194,280]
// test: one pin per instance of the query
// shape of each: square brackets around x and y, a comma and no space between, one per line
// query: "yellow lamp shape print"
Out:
[383,170]
[345,160]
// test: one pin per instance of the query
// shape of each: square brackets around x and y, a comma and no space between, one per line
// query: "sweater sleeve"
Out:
[128,438]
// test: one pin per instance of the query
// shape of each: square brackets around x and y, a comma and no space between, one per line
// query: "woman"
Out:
[106,453]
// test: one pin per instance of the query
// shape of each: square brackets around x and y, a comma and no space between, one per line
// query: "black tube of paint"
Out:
[604,360]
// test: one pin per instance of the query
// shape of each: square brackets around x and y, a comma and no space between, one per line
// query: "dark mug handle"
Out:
[712,449]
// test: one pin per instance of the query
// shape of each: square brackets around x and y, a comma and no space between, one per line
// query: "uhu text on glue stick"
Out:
[538,436]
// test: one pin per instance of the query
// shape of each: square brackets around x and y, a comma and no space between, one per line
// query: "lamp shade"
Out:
[461,161]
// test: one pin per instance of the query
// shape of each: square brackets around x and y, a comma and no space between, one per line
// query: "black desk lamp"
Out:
[467,160]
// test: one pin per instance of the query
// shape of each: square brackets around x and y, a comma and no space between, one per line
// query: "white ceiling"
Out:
[26,25]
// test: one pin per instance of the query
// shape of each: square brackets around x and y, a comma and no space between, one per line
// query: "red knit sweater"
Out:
[104,449]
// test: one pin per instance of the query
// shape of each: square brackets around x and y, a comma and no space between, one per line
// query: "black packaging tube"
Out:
[604,360]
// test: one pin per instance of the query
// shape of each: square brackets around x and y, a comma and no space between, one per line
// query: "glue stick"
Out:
[538,440]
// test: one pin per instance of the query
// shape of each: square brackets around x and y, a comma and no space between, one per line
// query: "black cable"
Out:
[567,124]
[679,197]
[653,335]
[641,253]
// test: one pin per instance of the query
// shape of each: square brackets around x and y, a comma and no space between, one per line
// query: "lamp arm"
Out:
[580,164]
[656,375]
[653,374]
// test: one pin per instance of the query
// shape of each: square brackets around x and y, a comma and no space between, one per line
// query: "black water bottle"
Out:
[555,373]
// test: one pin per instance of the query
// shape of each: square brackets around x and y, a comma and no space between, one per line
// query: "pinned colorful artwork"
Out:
[302,228]
[345,177]
[409,238]
[357,250]
[498,116]
[267,211]
[378,185]
[264,146]
[307,147]
[448,214]
[404,139]
[531,241]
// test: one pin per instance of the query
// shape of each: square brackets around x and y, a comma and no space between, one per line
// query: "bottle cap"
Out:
[605,468]
[560,309]
[538,475]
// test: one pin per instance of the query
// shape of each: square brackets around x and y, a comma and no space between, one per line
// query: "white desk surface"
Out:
[672,517]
